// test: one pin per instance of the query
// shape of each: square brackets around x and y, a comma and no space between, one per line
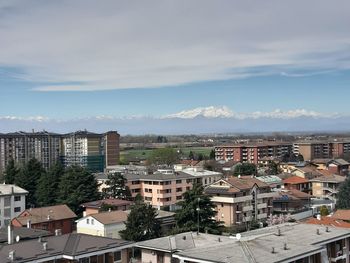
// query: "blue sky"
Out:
[160,58]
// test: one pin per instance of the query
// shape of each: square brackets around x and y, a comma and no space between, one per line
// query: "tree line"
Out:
[58,185]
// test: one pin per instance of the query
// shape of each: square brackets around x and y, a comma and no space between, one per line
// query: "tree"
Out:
[11,172]
[163,156]
[117,187]
[77,186]
[46,193]
[191,155]
[245,169]
[324,211]
[273,169]
[141,223]
[212,155]
[28,178]
[196,206]
[343,198]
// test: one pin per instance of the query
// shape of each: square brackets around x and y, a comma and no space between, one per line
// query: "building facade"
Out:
[321,149]
[23,146]
[93,151]
[252,153]
[12,203]
[240,200]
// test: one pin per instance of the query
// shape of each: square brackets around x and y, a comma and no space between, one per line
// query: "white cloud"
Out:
[86,45]
[30,118]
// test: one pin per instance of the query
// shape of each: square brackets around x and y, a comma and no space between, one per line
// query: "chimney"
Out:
[9,234]
[273,250]
[39,239]
[278,231]
[317,231]
[285,247]
[29,223]
[48,217]
[327,229]
[45,246]
[58,232]
[318,217]
[12,255]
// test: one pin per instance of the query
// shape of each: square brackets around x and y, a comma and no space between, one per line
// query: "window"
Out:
[178,181]
[17,209]
[88,221]
[92,221]
[179,197]
[17,198]
[179,189]
[222,204]
[7,201]
[117,256]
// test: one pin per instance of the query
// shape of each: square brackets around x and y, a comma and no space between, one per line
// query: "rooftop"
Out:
[23,233]
[329,178]
[111,201]
[342,214]
[328,221]
[9,189]
[295,180]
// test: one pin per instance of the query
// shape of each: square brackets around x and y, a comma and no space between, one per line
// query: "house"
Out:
[67,249]
[240,199]
[94,207]
[290,242]
[338,166]
[326,186]
[108,224]
[273,181]
[203,177]
[58,218]
[12,202]
[297,183]
[291,201]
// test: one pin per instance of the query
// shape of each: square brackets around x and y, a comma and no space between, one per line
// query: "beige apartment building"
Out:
[321,149]
[327,186]
[240,200]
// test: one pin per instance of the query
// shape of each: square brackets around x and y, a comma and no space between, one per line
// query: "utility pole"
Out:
[198,199]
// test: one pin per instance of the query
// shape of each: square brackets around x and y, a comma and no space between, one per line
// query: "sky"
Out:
[84,59]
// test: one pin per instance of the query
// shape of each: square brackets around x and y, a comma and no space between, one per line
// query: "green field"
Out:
[145,153]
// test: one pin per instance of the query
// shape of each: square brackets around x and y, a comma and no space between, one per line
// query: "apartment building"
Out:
[160,190]
[241,199]
[12,203]
[252,153]
[91,150]
[23,146]
[327,186]
[321,149]
[289,243]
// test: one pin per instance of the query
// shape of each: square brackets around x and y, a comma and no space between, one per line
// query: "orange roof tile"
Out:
[342,214]
[328,221]
[295,180]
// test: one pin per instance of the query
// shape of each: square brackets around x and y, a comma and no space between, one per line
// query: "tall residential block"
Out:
[252,153]
[23,146]
[321,149]
[91,150]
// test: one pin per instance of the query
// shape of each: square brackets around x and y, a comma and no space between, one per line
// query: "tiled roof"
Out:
[9,189]
[245,182]
[69,245]
[44,214]
[343,214]
[111,201]
[328,221]
[329,178]
[113,217]
[295,180]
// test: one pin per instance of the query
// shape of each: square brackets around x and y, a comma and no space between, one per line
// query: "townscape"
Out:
[68,197]
[177,131]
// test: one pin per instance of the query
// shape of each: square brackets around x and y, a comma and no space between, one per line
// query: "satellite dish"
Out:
[17,238]
[238,236]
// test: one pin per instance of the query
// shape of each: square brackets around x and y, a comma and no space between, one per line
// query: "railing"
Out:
[247,208]
[263,205]
[267,195]
[333,190]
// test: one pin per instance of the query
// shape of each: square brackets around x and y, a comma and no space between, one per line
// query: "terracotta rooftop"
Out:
[44,214]
[343,214]
[329,178]
[328,221]
[245,182]
[113,217]
[295,180]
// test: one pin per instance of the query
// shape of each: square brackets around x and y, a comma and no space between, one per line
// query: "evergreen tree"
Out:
[117,187]
[141,223]
[77,186]
[11,172]
[194,205]
[47,190]
[28,178]
[212,155]
[273,169]
[245,169]
[343,198]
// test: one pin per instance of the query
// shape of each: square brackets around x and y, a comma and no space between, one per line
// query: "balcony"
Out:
[261,206]
[262,216]
[329,189]
[267,195]
[230,200]
[247,208]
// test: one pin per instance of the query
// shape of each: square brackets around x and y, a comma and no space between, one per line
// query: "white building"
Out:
[107,224]
[12,202]
[205,177]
